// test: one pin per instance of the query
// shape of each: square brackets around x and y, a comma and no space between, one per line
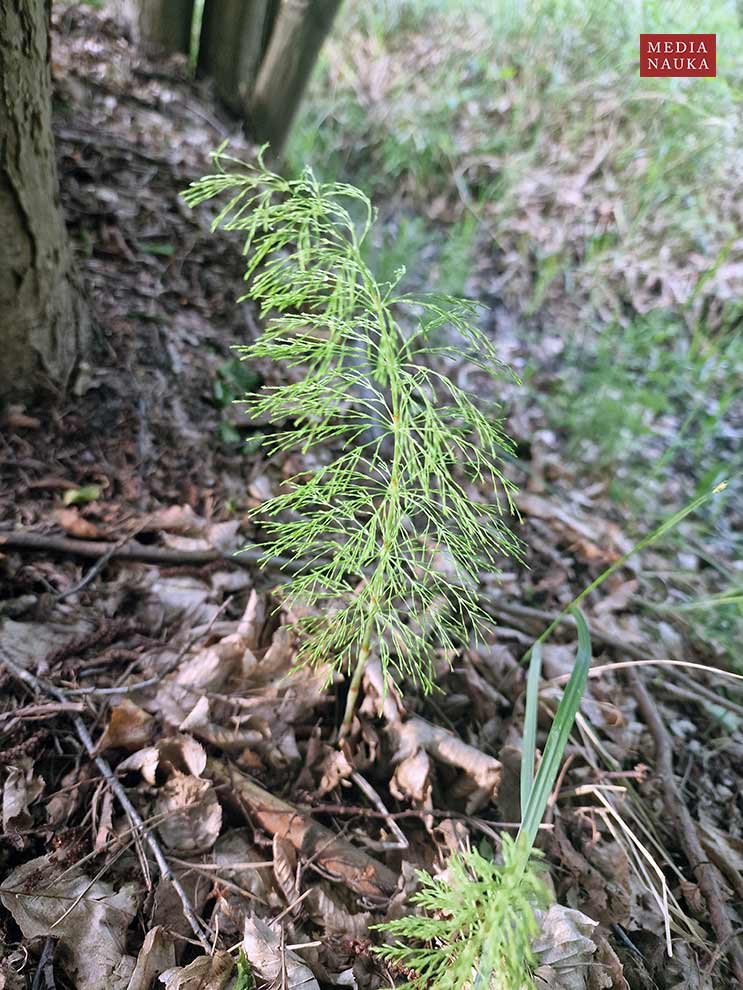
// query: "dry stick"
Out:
[43,687]
[97,567]
[363,784]
[131,550]
[707,876]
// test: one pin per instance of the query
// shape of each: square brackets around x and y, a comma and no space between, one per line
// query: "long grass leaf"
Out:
[558,737]
[529,746]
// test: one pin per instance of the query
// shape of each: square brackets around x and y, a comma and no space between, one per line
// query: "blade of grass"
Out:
[529,746]
[557,739]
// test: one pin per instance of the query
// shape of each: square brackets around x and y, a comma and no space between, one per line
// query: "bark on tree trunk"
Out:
[296,39]
[165,25]
[44,325]
[231,46]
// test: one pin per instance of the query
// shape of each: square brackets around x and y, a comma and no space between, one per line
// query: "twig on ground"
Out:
[366,788]
[43,687]
[131,550]
[708,878]
[201,633]
[97,567]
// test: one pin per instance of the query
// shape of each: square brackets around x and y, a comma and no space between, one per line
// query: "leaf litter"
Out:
[286,847]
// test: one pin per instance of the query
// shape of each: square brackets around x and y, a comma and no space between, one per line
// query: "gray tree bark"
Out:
[165,25]
[44,325]
[298,33]
[231,46]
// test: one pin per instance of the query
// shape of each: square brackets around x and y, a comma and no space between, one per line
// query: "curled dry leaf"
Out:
[209,669]
[180,753]
[335,768]
[156,955]
[271,961]
[179,596]
[74,525]
[129,727]
[20,790]
[412,780]
[234,855]
[483,771]
[565,949]
[205,973]
[189,813]
[327,912]
[285,868]
[175,519]
[88,916]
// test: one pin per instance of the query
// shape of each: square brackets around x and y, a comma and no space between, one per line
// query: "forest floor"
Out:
[148,672]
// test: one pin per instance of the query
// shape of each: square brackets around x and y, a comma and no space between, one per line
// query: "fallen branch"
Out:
[708,877]
[43,687]
[337,857]
[132,550]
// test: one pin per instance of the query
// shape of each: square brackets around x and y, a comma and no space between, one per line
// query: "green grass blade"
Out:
[529,746]
[557,740]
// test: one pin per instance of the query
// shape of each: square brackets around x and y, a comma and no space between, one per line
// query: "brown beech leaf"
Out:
[21,789]
[173,753]
[204,973]
[88,916]
[129,727]
[412,780]
[270,960]
[285,868]
[327,912]
[156,955]
[74,525]
[190,814]
[565,949]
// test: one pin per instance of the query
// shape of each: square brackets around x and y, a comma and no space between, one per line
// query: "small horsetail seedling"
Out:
[480,925]
[388,529]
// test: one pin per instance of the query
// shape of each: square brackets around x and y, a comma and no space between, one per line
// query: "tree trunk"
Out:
[44,326]
[296,39]
[165,25]
[231,46]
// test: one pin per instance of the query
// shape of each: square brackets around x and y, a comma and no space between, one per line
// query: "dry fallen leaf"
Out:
[173,753]
[270,960]
[565,950]
[204,973]
[285,868]
[21,789]
[74,525]
[129,727]
[156,955]
[327,912]
[189,813]
[88,916]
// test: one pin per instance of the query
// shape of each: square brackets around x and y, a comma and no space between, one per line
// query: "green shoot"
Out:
[386,526]
[529,744]
[478,927]
[535,796]
[481,921]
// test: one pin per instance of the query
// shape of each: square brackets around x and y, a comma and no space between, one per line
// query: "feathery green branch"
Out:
[391,532]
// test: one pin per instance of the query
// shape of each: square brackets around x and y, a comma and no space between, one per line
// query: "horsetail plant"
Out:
[388,530]
[480,921]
